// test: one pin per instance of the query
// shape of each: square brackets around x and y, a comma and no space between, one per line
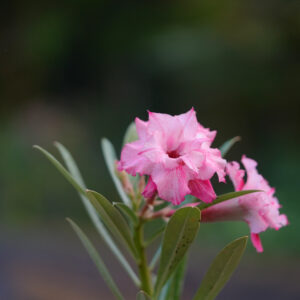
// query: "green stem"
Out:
[145,275]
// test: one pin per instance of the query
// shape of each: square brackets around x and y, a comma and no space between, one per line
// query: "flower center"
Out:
[173,154]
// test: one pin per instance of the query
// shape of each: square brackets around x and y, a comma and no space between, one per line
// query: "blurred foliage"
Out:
[75,71]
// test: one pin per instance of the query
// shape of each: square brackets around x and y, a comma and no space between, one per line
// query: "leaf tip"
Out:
[245,238]
[243,241]
[103,140]
[56,144]
[90,193]
[70,221]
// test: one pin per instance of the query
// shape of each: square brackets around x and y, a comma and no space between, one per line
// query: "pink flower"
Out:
[259,210]
[175,152]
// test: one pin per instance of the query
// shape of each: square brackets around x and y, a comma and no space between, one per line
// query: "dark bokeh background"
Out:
[75,71]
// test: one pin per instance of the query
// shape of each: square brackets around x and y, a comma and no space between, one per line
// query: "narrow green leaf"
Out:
[110,160]
[97,260]
[180,232]
[128,212]
[70,163]
[61,168]
[130,134]
[155,258]
[228,145]
[75,173]
[155,235]
[225,197]
[164,291]
[113,219]
[141,295]
[176,282]
[221,270]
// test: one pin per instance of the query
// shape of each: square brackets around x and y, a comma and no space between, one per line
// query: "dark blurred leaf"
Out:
[228,145]
[110,159]
[130,134]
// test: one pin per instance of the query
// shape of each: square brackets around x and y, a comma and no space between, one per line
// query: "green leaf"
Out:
[155,235]
[221,270]
[61,168]
[175,283]
[75,173]
[110,159]
[70,163]
[180,232]
[155,258]
[130,134]
[97,260]
[225,197]
[228,145]
[113,219]
[141,295]
[128,212]
[164,291]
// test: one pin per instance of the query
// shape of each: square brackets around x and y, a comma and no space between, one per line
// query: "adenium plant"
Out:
[164,172]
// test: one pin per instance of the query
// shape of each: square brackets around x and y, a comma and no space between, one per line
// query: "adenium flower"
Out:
[259,210]
[175,152]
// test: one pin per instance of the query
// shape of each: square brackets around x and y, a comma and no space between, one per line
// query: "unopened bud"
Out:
[142,184]
[126,183]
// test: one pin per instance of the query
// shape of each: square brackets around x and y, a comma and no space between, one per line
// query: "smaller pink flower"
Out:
[259,210]
[175,152]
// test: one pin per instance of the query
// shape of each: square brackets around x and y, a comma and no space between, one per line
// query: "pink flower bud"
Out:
[127,185]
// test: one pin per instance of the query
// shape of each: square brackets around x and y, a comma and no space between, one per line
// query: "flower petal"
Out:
[150,189]
[171,183]
[169,127]
[255,238]
[214,163]
[189,124]
[193,160]
[236,175]
[203,190]
[141,128]
[132,160]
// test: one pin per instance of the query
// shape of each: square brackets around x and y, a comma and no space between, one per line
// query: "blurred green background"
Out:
[76,71]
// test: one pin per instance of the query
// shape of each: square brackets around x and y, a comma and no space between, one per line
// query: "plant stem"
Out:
[148,204]
[145,275]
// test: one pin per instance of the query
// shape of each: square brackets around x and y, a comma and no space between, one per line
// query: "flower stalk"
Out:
[144,271]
